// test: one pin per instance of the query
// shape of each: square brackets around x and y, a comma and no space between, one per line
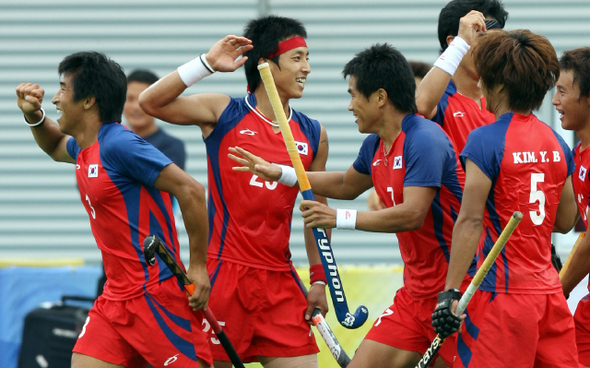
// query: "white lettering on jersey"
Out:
[556,156]
[93,171]
[524,157]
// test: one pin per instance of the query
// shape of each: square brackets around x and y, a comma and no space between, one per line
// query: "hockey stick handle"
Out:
[326,332]
[489,261]
[571,255]
[475,282]
[277,106]
[345,318]
[151,246]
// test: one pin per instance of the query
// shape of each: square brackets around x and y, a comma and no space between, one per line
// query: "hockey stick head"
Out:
[149,249]
[355,320]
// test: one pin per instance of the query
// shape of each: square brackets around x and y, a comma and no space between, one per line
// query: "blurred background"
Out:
[41,220]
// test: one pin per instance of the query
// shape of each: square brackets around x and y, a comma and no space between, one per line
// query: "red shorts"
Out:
[582,322]
[261,311]
[158,327]
[517,330]
[407,325]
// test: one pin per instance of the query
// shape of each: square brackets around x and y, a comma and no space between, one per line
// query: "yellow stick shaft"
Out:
[570,256]
[277,106]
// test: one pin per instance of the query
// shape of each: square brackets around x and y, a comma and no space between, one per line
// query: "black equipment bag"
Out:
[49,334]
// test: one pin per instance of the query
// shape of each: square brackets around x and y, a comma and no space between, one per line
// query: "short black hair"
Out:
[382,66]
[266,33]
[448,19]
[95,74]
[578,61]
[142,76]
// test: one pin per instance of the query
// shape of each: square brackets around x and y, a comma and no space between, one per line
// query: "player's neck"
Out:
[264,106]
[88,134]
[584,135]
[467,85]
[390,129]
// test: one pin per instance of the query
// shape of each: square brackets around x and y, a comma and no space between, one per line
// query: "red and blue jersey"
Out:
[250,218]
[459,115]
[421,155]
[115,177]
[581,181]
[528,164]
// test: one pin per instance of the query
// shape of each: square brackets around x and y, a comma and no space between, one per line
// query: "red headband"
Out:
[287,45]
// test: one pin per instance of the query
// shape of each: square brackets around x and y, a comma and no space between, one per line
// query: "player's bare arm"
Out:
[405,216]
[29,98]
[316,297]
[567,211]
[578,267]
[191,199]
[469,225]
[431,89]
[163,99]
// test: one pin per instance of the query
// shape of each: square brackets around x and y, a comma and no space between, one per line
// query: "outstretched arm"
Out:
[163,99]
[191,199]
[50,139]
[406,216]
[434,84]
[331,184]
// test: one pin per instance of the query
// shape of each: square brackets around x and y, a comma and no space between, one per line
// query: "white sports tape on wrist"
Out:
[288,175]
[345,219]
[40,122]
[194,71]
[451,58]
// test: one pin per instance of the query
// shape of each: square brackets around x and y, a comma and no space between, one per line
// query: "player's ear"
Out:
[450,39]
[89,102]
[382,95]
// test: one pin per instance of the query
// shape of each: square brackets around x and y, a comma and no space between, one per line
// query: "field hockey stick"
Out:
[343,315]
[570,256]
[475,282]
[152,246]
[326,332]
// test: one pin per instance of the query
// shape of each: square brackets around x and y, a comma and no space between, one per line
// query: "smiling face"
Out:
[574,111]
[292,75]
[363,109]
[140,122]
[71,111]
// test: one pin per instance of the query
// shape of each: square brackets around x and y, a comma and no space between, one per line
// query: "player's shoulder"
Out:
[305,120]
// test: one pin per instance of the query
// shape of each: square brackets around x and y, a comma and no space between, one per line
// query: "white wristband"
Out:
[288,175]
[195,70]
[345,219]
[40,122]
[319,282]
[451,58]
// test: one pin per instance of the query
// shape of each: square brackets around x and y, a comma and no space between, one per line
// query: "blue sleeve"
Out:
[485,149]
[73,148]
[363,162]
[569,156]
[131,156]
[426,153]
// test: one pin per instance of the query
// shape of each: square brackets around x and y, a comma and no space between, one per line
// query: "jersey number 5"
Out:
[537,195]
